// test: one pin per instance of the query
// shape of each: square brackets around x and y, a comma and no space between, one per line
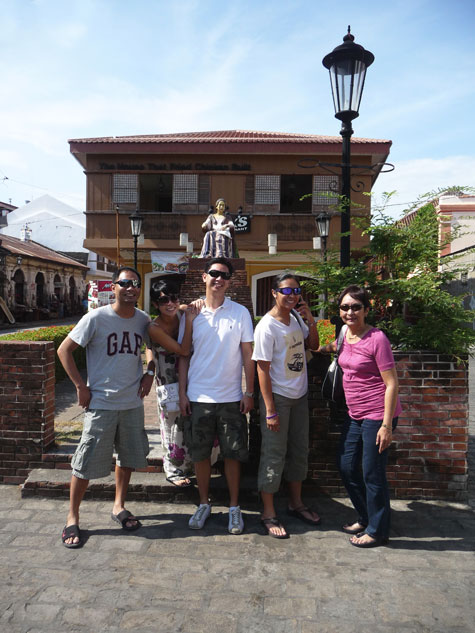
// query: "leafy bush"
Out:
[57,334]
[400,269]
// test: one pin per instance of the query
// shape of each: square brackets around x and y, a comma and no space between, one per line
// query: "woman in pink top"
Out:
[371,390]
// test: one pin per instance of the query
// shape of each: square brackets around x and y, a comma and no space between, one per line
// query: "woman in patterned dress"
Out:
[163,333]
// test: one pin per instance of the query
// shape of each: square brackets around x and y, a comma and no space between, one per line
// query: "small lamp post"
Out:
[136,229]
[323,225]
[347,65]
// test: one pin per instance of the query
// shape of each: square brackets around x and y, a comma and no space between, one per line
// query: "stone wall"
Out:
[26,406]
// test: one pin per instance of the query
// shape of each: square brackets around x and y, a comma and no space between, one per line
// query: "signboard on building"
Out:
[165,262]
[242,224]
[100,293]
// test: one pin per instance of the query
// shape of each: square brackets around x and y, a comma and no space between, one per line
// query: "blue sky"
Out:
[86,68]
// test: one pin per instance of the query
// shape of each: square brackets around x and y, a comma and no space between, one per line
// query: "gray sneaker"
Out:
[198,520]
[236,523]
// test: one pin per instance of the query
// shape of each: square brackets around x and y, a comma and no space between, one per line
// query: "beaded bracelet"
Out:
[269,417]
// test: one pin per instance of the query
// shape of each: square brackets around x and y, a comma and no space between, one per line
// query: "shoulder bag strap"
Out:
[340,339]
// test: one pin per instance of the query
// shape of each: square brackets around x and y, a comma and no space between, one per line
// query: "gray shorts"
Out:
[105,430]
[222,419]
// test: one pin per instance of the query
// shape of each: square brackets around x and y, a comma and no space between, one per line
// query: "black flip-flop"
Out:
[299,514]
[274,522]
[122,519]
[347,529]
[375,543]
[71,531]
[173,480]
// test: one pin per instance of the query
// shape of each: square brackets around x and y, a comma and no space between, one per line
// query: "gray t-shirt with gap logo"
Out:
[113,352]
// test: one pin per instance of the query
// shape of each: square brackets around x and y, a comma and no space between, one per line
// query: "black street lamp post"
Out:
[347,64]
[136,229]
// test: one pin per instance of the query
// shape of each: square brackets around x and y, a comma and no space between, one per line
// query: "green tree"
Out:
[400,269]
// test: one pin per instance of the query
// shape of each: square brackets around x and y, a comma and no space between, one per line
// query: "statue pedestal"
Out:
[193,287]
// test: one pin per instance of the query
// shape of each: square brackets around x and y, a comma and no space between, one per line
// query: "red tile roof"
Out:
[33,249]
[226,136]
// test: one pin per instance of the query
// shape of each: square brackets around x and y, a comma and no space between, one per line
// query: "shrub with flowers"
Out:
[55,333]
[326,331]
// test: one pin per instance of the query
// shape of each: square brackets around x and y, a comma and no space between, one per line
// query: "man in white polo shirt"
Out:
[210,391]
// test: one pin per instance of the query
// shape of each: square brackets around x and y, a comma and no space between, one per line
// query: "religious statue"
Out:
[218,228]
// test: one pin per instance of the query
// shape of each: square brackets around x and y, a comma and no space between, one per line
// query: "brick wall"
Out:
[194,287]
[428,457]
[26,406]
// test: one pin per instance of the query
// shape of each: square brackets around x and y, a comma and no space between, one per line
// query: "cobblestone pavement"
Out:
[168,578]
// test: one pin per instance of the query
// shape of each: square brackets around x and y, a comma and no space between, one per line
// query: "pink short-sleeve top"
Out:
[362,364]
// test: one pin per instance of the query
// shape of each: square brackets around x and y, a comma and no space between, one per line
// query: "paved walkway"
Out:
[167,578]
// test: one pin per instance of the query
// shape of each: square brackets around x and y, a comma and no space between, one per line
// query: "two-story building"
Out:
[273,184]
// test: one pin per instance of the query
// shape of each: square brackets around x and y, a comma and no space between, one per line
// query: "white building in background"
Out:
[457,212]
[60,227]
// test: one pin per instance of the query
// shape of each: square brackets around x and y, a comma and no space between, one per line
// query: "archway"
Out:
[40,290]
[261,285]
[72,295]
[19,284]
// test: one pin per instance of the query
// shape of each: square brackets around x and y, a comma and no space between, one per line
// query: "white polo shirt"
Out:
[215,372]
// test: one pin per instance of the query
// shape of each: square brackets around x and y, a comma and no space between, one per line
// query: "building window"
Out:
[156,192]
[295,193]
[325,191]
[124,188]
[185,189]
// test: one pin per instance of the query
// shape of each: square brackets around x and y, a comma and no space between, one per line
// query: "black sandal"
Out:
[274,522]
[71,531]
[348,530]
[122,519]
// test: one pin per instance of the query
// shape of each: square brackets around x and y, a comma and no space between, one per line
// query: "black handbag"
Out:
[332,386]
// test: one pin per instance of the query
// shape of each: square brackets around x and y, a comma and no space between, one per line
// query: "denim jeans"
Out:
[363,470]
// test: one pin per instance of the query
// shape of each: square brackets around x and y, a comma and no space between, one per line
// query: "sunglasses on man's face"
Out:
[289,291]
[129,283]
[164,299]
[356,307]
[219,273]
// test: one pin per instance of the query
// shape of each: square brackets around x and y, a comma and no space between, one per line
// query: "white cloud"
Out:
[413,178]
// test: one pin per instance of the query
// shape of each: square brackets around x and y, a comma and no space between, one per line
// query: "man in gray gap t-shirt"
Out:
[113,398]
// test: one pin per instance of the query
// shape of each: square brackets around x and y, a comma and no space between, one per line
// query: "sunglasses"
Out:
[164,299]
[129,283]
[289,291]
[218,273]
[356,307]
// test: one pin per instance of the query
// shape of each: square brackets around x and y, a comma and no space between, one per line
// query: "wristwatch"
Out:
[249,394]
[150,372]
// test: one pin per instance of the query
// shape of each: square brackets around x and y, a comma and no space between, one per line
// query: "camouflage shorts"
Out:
[208,420]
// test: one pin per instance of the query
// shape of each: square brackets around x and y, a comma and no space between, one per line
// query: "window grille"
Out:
[325,190]
[185,188]
[267,190]
[124,188]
